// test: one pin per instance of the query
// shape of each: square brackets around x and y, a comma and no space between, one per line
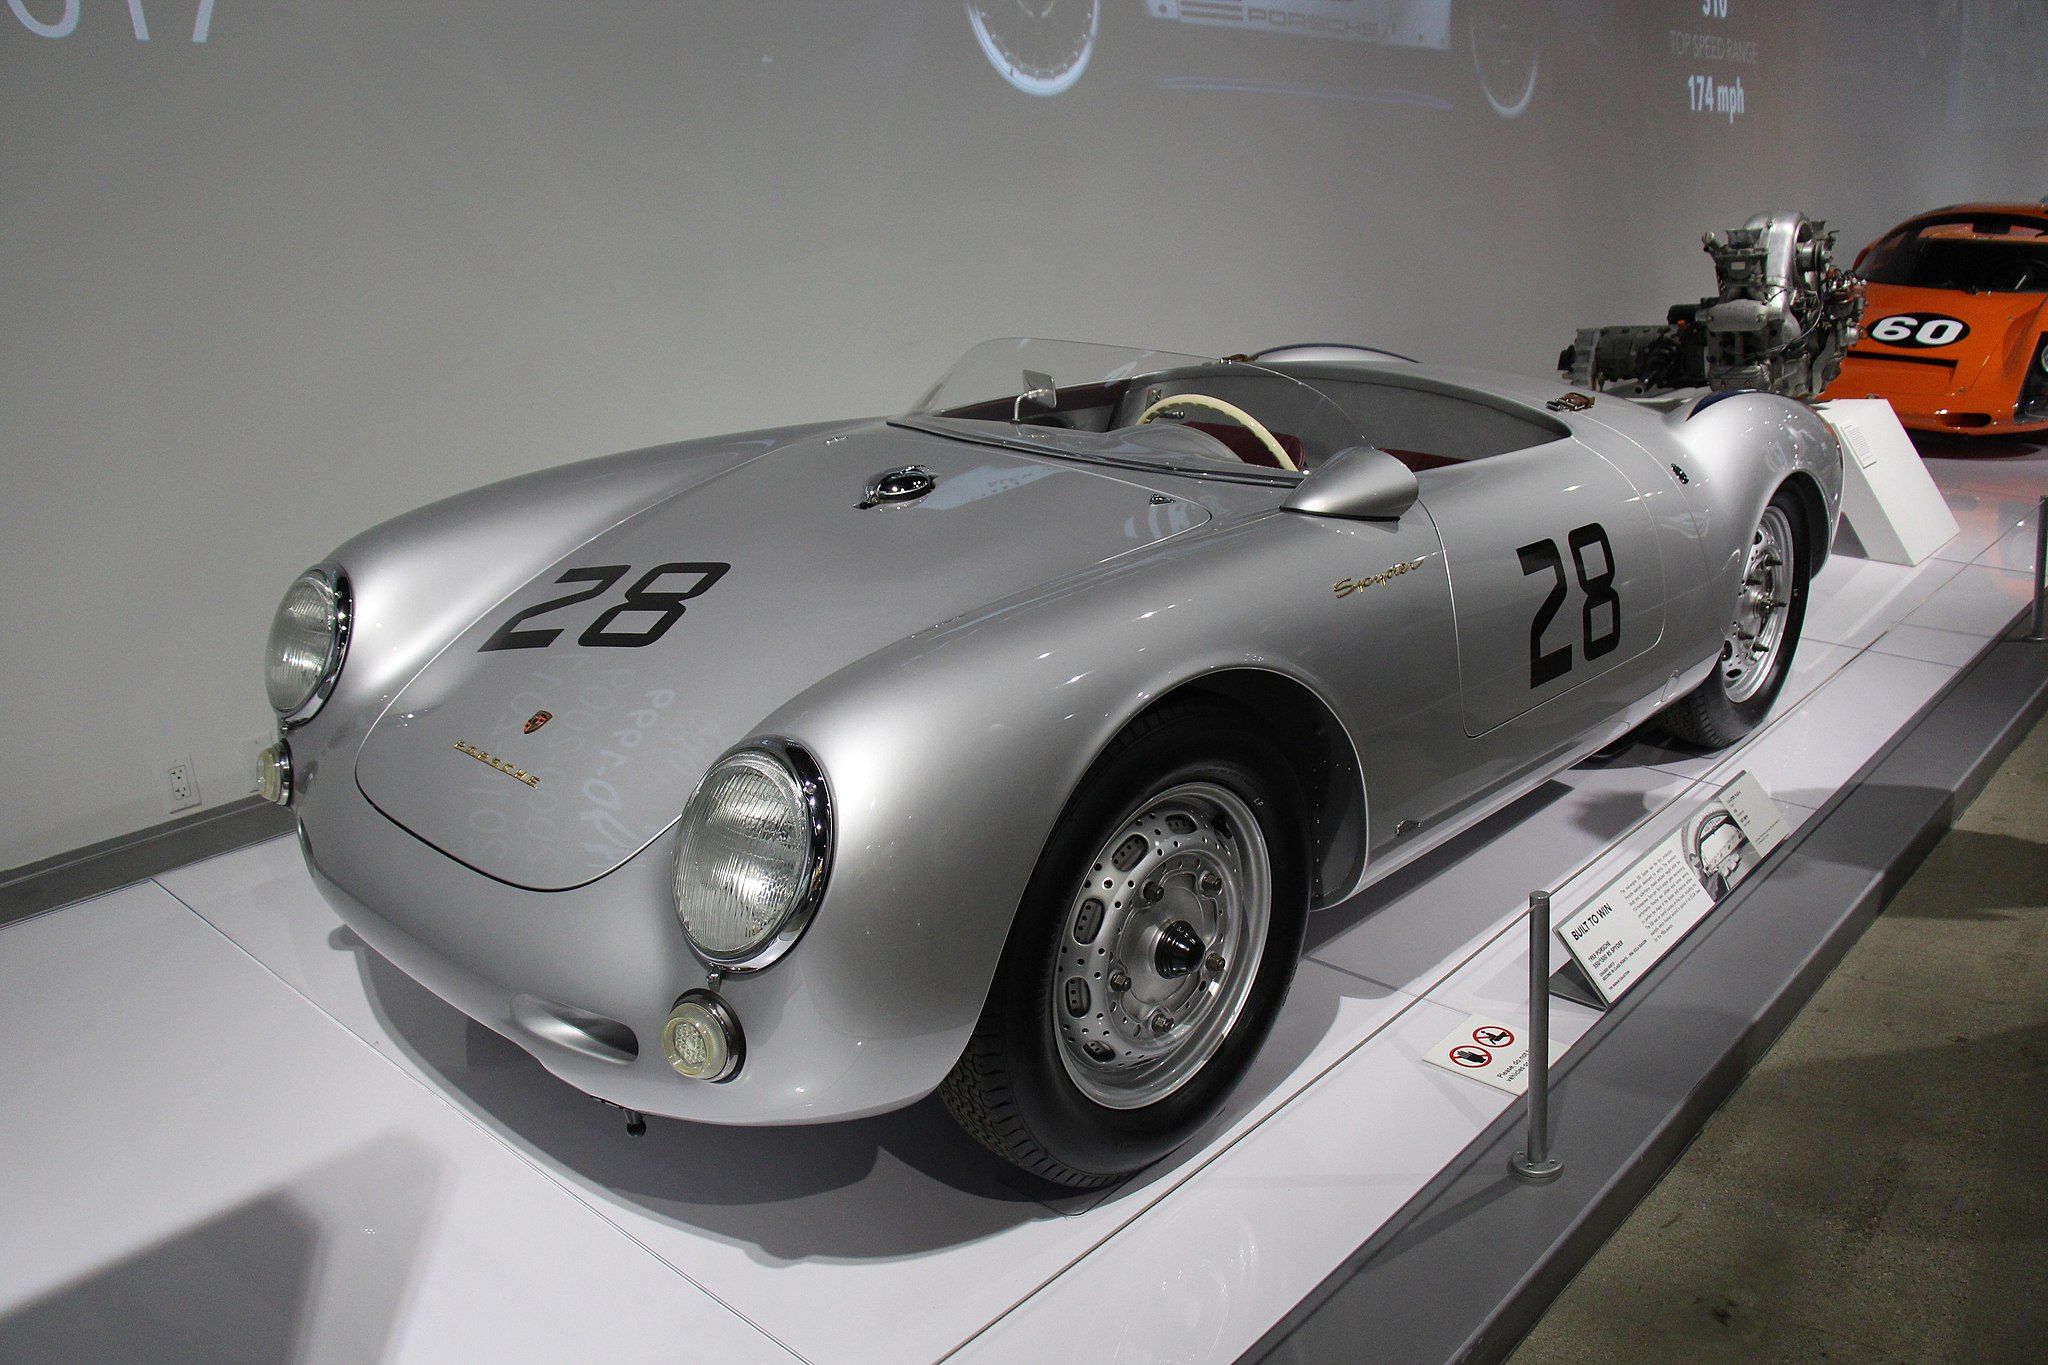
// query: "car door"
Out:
[1556,583]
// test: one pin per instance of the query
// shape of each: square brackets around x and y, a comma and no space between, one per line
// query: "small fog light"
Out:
[702,1038]
[274,773]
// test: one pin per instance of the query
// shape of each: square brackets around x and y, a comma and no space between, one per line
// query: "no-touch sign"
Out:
[1487,1050]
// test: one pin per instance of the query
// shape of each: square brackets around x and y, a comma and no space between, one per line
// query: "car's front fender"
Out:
[951,755]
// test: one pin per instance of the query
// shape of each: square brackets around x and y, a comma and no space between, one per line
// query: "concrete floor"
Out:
[1877,1189]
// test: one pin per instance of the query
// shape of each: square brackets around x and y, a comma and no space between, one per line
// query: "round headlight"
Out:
[750,865]
[307,638]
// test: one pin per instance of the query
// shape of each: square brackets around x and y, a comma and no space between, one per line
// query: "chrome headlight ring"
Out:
[807,812]
[328,588]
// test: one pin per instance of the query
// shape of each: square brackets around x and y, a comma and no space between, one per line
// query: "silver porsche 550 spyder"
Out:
[1002,747]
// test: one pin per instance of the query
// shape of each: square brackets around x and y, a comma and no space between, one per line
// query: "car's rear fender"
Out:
[1739,450]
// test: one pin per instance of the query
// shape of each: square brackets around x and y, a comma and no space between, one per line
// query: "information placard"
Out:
[1638,917]
[1888,497]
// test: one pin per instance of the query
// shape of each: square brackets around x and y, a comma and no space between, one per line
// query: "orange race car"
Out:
[1955,323]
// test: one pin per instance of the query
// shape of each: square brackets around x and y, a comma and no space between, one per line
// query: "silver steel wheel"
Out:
[1160,945]
[1749,656]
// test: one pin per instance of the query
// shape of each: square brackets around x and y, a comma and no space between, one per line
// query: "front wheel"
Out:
[1150,955]
[1756,654]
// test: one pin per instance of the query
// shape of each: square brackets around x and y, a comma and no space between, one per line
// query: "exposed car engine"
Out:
[1781,322]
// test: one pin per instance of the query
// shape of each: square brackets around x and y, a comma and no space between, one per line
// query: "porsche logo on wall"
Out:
[538,719]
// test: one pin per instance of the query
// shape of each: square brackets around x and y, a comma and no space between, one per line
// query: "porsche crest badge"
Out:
[538,719]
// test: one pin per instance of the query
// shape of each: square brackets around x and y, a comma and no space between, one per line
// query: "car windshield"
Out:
[1212,418]
[1976,254]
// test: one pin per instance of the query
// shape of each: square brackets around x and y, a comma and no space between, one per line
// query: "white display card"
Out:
[1495,1051]
[1888,497]
[1639,916]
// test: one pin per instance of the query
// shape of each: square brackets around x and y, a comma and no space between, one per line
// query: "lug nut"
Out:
[1161,1021]
[1211,883]
[1151,891]
[1119,980]
[1214,962]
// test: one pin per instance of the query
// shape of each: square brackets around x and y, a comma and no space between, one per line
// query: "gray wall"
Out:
[345,256]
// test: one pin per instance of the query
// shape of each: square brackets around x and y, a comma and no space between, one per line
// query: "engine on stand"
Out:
[1781,322]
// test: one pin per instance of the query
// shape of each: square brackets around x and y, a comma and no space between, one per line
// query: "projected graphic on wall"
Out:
[1491,50]
[1042,46]
[59,18]
[1702,62]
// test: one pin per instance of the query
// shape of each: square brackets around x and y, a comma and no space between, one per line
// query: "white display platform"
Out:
[1888,497]
[228,1123]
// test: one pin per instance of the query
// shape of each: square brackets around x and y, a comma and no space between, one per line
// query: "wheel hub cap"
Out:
[1179,951]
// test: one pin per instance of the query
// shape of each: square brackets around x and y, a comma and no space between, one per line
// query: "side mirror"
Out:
[1362,483]
[1039,391]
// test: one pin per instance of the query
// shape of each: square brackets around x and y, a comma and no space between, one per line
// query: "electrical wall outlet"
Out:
[181,790]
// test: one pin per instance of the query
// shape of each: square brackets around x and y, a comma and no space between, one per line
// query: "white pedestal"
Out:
[1888,498]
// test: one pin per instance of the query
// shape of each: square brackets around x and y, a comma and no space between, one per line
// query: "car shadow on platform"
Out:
[895,1185]
[318,1268]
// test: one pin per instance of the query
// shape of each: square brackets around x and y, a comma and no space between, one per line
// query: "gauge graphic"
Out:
[1039,46]
[1505,53]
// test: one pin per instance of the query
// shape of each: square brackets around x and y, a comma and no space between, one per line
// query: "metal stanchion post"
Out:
[2039,633]
[1535,1163]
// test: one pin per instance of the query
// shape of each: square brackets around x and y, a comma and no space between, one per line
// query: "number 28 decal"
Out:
[1919,331]
[643,598]
[1596,637]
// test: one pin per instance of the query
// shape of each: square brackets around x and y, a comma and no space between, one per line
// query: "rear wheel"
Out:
[1150,955]
[1756,655]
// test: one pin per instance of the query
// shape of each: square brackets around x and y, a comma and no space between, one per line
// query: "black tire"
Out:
[1010,1089]
[1709,716]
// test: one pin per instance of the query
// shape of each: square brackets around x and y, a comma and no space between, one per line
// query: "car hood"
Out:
[548,760]
[2003,332]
